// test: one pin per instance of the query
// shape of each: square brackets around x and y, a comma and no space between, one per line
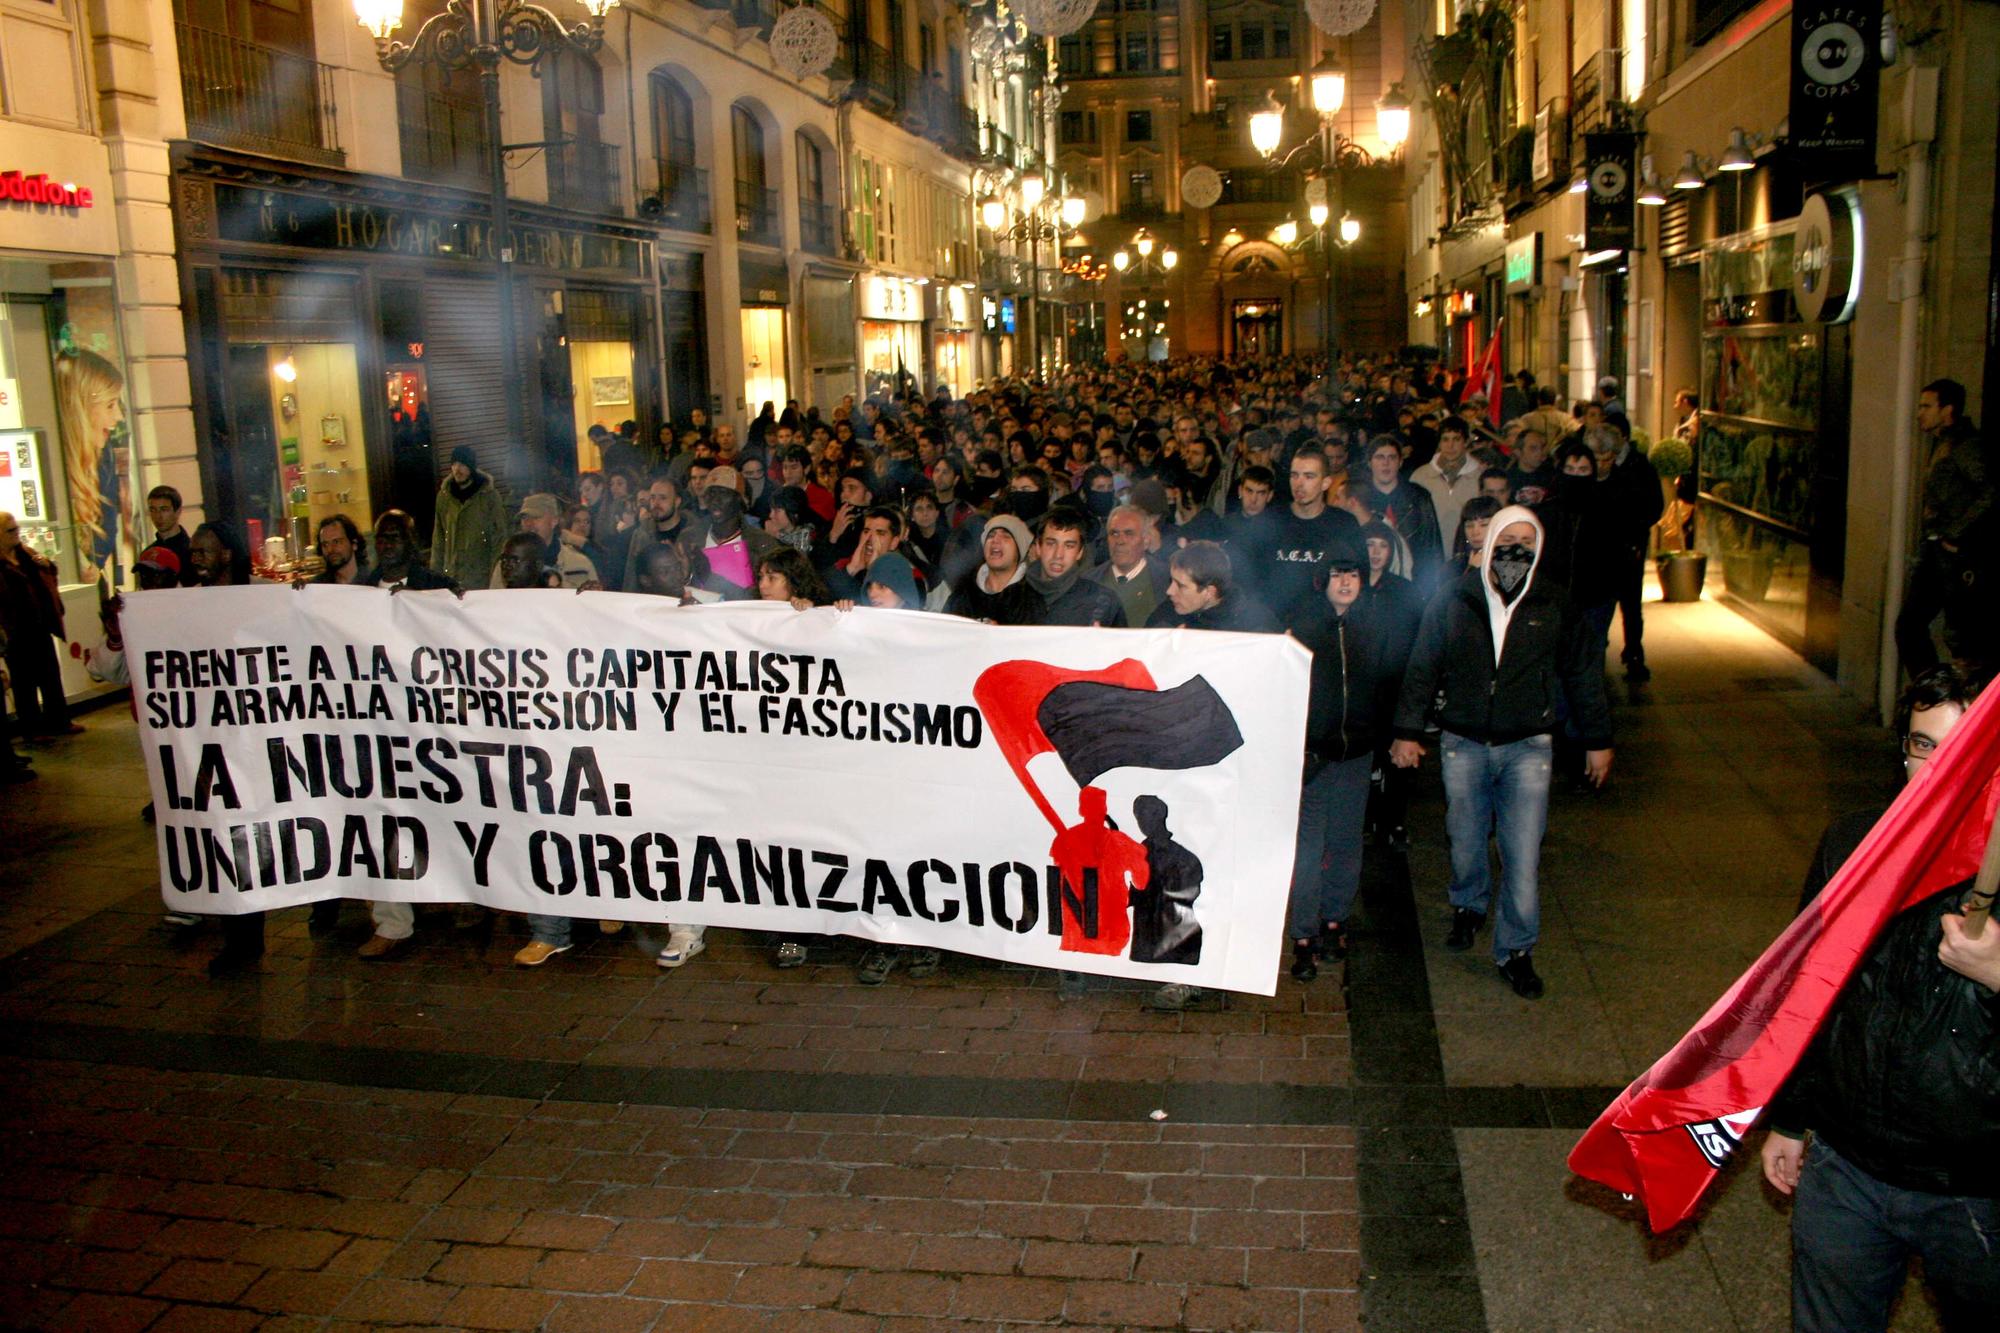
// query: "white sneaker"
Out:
[681,946]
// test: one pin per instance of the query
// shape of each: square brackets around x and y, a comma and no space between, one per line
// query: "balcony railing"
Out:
[819,227]
[1142,210]
[681,198]
[443,136]
[758,14]
[756,214]
[584,175]
[243,95]
[881,80]
[999,145]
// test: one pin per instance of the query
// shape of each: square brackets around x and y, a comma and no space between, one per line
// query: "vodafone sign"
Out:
[18,187]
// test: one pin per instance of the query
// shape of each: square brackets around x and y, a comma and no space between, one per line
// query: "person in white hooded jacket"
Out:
[1498,653]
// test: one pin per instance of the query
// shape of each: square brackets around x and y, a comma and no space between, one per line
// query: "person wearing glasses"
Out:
[1899,1092]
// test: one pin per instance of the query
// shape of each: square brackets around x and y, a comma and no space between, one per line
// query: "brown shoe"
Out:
[380,948]
[534,953]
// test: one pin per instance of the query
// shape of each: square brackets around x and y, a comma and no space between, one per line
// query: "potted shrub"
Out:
[1681,570]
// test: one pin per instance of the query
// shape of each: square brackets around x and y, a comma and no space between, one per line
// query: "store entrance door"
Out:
[1259,328]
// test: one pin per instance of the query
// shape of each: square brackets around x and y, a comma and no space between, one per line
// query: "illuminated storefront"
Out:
[952,339]
[67,464]
[892,333]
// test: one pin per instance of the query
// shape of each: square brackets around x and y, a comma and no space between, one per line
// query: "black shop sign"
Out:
[1835,74]
[1608,218]
[361,226]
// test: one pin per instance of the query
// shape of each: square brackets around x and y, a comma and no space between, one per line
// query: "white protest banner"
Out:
[1114,801]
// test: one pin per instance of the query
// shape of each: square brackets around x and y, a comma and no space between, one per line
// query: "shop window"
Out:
[1138,127]
[763,357]
[296,429]
[599,328]
[66,469]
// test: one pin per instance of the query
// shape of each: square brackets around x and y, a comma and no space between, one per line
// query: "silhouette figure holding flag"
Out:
[1164,927]
[1097,861]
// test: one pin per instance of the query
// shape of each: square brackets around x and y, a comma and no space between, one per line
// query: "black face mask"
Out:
[1510,565]
[1026,505]
[1101,502]
[1574,488]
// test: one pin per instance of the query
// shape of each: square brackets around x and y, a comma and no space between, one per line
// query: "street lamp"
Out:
[1329,85]
[1350,229]
[1065,214]
[1267,126]
[479,34]
[1319,214]
[1285,232]
[1392,117]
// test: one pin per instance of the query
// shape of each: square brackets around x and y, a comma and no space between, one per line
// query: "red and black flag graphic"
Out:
[1095,721]
[1667,1136]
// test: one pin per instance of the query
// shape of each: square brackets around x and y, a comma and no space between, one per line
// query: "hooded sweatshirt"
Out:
[1500,668]
[1500,607]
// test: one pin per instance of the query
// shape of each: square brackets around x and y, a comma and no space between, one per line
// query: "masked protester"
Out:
[1497,655]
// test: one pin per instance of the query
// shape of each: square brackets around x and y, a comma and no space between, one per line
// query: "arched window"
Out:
[817,222]
[682,186]
[756,201]
[583,172]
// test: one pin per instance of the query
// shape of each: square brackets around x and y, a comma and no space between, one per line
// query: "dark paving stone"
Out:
[1424,1190]
[1410,1303]
[1496,1108]
[1428,1245]
[1402,1145]
[1577,1108]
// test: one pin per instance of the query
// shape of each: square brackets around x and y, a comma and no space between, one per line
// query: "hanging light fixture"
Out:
[1737,156]
[287,369]
[1120,260]
[1143,243]
[1319,213]
[1169,257]
[1267,125]
[1350,229]
[1650,193]
[1392,117]
[1689,177]
[1329,85]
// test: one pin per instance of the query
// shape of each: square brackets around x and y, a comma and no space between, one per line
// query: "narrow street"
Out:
[447,1141]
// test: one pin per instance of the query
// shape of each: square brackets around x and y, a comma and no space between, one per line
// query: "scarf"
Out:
[1053,589]
[469,489]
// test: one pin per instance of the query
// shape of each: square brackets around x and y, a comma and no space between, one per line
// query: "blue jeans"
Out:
[1332,810]
[1852,1238]
[553,930]
[1501,791]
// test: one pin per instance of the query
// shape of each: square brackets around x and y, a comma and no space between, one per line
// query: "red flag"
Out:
[1669,1134]
[1487,376]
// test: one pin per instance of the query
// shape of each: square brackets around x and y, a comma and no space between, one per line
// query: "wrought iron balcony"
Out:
[681,198]
[819,227]
[999,145]
[880,80]
[243,95]
[1260,187]
[584,175]
[1142,210]
[757,215]
[443,136]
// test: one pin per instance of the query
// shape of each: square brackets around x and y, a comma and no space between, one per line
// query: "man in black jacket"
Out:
[1202,593]
[1638,500]
[1502,649]
[1360,645]
[1901,1090]
[1068,598]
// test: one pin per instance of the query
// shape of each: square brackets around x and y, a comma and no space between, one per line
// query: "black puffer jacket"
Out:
[1357,670]
[1903,1079]
[1548,655]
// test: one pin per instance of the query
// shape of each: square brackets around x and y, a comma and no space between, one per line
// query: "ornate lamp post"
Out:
[480,34]
[1042,217]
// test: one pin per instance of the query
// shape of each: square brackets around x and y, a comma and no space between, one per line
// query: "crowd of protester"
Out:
[1454,567]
